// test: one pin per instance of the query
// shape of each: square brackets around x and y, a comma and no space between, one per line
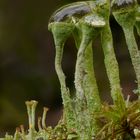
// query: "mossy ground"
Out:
[114,125]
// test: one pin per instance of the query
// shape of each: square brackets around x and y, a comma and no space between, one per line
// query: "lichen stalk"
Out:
[67,102]
[134,53]
[45,110]
[31,107]
[29,113]
[110,61]
[61,31]
[90,84]
[39,123]
[127,20]
[81,73]
[91,88]
[112,68]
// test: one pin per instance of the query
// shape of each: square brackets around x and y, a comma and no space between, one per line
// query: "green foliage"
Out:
[120,125]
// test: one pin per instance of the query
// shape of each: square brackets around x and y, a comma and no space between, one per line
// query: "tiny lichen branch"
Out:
[29,113]
[111,62]
[89,82]
[82,111]
[87,95]
[45,110]
[126,17]
[39,123]
[31,107]
[61,31]
[91,88]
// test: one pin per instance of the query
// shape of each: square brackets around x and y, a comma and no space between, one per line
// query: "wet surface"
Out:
[78,9]
[123,4]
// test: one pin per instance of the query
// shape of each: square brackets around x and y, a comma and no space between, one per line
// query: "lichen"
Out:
[85,117]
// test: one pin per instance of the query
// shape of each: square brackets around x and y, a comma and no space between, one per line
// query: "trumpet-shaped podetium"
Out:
[110,61]
[125,14]
[84,17]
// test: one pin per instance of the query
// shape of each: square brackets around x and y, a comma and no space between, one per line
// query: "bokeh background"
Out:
[27,62]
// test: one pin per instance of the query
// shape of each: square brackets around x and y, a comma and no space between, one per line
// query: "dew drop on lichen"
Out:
[76,10]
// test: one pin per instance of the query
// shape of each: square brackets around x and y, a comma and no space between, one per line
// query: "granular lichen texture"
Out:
[85,116]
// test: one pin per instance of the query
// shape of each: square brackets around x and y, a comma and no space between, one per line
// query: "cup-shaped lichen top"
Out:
[126,10]
[68,12]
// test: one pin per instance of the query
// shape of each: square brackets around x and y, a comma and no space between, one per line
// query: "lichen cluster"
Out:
[42,132]
[85,117]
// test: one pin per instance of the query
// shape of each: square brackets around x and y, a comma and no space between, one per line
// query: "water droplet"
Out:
[76,10]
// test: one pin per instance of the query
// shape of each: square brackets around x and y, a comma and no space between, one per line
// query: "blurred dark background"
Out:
[27,62]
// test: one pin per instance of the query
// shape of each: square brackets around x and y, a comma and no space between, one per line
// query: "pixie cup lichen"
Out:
[125,14]
[85,116]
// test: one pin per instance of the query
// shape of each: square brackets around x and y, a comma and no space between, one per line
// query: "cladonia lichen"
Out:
[85,116]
